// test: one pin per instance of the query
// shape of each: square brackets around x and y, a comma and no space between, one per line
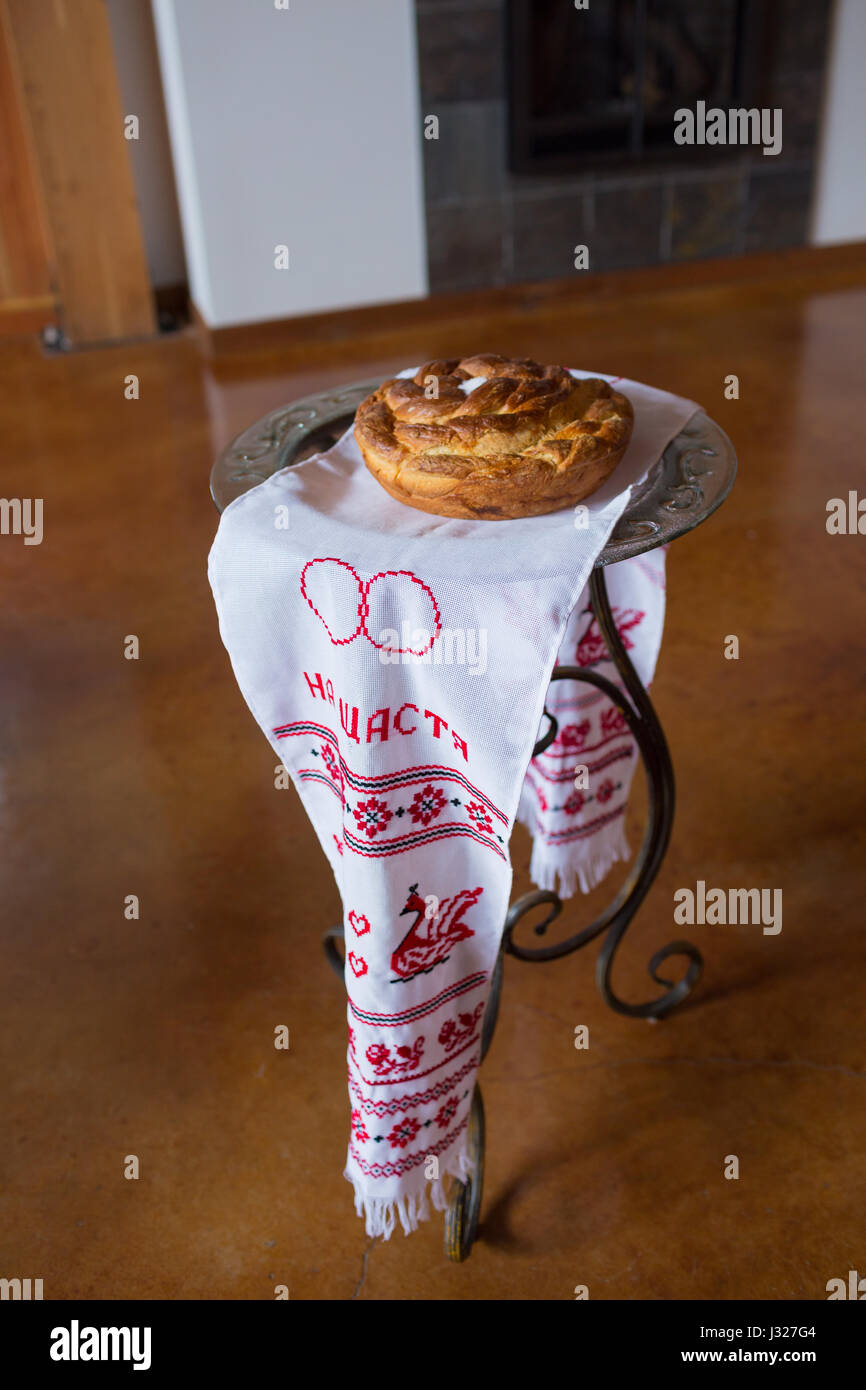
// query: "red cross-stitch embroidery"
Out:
[433,934]
[396,1167]
[578,832]
[613,726]
[372,816]
[479,816]
[446,1114]
[565,771]
[427,804]
[386,1080]
[358,922]
[429,1006]
[390,1063]
[395,1104]
[351,627]
[407,1129]
[613,721]
[452,1034]
[329,758]
[573,735]
[357,965]
[348,614]
[397,1063]
[592,647]
[404,1132]
[390,781]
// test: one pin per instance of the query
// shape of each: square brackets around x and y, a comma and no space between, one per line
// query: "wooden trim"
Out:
[354,332]
[24,303]
[25,255]
[65,59]
[26,316]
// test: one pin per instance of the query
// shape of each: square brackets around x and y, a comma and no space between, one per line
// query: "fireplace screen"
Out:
[603,83]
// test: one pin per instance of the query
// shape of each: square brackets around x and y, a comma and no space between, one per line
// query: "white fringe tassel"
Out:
[586,865]
[381,1215]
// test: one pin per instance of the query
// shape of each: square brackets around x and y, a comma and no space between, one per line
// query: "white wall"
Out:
[839,207]
[141,95]
[298,126]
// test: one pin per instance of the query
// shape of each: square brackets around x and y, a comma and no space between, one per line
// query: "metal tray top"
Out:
[691,479]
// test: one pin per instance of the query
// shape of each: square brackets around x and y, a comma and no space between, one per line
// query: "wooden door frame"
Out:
[65,73]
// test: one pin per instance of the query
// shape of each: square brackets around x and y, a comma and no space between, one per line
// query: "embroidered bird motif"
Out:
[429,940]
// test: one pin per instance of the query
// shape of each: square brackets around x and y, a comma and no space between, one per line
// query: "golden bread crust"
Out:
[528,439]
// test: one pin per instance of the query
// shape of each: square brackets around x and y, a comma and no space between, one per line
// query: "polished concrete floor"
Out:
[154,1037]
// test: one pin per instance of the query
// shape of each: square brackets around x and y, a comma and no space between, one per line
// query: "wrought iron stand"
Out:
[689,482]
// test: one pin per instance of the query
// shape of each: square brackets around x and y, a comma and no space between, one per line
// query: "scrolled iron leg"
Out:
[638,712]
[464,1206]
[660,777]
[332,955]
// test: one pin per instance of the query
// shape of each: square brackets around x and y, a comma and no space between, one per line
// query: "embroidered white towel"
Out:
[575,793]
[398,663]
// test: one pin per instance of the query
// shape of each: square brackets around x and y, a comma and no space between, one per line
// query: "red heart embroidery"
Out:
[358,964]
[358,922]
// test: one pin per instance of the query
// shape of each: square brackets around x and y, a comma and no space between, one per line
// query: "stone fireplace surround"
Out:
[489,226]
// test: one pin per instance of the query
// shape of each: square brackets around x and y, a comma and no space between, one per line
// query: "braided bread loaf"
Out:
[494,438]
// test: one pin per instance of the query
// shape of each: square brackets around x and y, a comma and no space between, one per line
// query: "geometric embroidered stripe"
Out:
[565,775]
[413,775]
[419,1011]
[382,848]
[406,1130]
[580,832]
[380,1108]
[589,748]
[307,727]
[393,1170]
[308,774]
[407,777]
[580,702]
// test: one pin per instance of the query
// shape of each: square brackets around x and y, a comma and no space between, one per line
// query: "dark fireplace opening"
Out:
[603,84]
